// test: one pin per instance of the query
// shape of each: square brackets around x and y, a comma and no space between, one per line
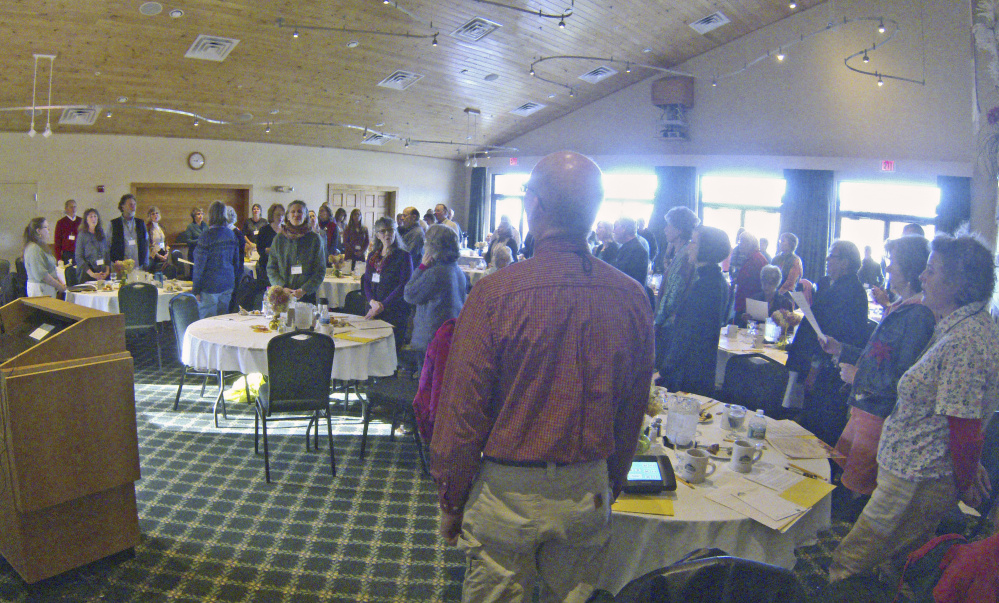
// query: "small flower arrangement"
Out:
[787,321]
[337,262]
[123,268]
[278,298]
[480,245]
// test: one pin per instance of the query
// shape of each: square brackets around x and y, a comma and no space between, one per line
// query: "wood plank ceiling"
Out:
[320,88]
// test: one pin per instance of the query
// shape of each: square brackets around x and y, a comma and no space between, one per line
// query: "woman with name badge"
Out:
[93,249]
[39,261]
[253,224]
[389,268]
[296,261]
[355,239]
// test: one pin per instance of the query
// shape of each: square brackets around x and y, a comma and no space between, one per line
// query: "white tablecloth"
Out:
[108,302]
[474,275]
[228,343]
[335,289]
[642,543]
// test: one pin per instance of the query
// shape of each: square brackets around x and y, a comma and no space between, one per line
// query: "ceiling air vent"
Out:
[475,30]
[211,48]
[597,74]
[375,139]
[79,116]
[528,108]
[709,23]
[400,80]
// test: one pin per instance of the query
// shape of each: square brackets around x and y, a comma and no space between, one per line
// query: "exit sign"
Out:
[887,165]
[513,161]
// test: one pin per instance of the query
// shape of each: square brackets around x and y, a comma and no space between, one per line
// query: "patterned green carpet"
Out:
[213,530]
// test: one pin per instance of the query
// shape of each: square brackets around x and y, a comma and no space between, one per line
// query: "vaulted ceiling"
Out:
[122,64]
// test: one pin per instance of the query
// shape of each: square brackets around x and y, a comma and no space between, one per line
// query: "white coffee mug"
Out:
[744,455]
[732,331]
[694,465]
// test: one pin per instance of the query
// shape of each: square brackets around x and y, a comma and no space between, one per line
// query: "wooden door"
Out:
[373,201]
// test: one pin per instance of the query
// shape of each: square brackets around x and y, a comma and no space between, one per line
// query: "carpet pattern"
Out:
[213,530]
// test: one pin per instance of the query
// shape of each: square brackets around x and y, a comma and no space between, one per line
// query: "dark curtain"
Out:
[478,206]
[809,211]
[677,188]
[955,203]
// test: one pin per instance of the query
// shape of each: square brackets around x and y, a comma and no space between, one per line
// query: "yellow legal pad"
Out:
[646,505]
[356,338]
[808,492]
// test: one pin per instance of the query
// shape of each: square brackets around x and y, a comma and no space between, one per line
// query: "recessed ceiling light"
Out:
[463,71]
[274,111]
[646,50]
[353,44]
[379,124]
[492,77]
[176,13]
[150,9]
[97,73]
[552,95]
[122,99]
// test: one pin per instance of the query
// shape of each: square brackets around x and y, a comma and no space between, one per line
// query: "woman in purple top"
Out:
[388,270]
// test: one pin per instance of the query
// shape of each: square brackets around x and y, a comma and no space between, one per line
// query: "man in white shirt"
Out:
[441,213]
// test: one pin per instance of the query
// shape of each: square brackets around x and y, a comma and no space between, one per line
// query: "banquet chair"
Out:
[184,311]
[395,394]
[137,301]
[355,303]
[721,579]
[299,365]
[72,276]
[181,268]
[755,381]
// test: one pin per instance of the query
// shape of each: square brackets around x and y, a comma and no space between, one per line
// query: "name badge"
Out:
[131,242]
[357,247]
[71,237]
[256,232]
[100,262]
[296,270]
[376,278]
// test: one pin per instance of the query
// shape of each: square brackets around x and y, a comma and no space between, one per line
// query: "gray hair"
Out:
[502,257]
[440,244]
[230,215]
[850,253]
[216,214]
[749,239]
[684,220]
[770,276]
[628,224]
[968,261]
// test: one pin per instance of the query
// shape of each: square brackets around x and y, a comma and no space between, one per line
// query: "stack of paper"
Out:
[643,504]
[775,497]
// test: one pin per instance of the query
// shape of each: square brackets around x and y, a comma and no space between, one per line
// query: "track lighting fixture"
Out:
[881,25]
[780,54]
[628,68]
[561,23]
[867,59]
[267,130]
[881,82]
[294,34]
[792,5]
[532,71]
[714,82]
[197,123]
[47,132]
[406,146]
[434,43]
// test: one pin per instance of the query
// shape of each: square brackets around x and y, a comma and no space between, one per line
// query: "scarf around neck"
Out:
[295,232]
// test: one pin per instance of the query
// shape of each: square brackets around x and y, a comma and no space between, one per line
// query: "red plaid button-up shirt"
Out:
[551,360]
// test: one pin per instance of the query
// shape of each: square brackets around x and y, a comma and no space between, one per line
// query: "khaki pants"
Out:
[900,517]
[521,523]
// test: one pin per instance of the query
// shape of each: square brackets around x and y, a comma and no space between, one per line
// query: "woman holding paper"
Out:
[770,279]
[875,370]
[930,446]
[840,309]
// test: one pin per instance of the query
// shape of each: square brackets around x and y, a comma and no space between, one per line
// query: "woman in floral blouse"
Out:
[931,443]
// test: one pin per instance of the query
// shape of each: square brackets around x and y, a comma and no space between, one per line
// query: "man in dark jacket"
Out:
[633,253]
[128,234]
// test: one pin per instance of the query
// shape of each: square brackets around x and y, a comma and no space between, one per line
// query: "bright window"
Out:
[872,212]
[750,202]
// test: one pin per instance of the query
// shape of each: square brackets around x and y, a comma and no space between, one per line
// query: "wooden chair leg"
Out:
[183,374]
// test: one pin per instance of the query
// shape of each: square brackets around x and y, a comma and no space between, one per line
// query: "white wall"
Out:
[808,111]
[71,166]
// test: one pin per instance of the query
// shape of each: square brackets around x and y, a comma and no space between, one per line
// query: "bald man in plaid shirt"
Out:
[546,383]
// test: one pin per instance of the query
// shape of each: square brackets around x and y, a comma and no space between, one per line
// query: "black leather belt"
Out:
[531,464]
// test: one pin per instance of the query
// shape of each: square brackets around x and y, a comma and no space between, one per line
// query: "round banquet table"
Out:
[107,301]
[335,289]
[228,343]
[642,543]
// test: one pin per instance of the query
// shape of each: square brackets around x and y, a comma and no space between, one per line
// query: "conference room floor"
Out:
[213,530]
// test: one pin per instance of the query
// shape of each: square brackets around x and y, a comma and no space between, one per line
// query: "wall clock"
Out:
[195,161]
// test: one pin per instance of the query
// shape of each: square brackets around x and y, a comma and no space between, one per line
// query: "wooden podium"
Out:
[69,452]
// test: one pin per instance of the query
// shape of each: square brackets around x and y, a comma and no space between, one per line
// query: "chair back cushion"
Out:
[137,301]
[183,311]
[755,381]
[72,276]
[299,371]
[355,303]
